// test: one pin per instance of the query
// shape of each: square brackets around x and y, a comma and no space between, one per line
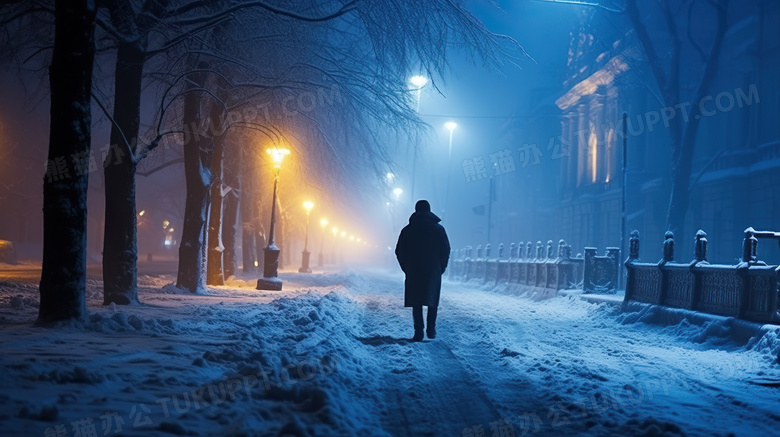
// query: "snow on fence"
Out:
[748,290]
[540,267]
[600,274]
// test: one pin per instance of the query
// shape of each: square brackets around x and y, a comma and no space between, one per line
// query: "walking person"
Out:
[423,251]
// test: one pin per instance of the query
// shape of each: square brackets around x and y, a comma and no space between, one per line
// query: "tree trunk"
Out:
[198,180]
[214,273]
[120,241]
[230,220]
[229,234]
[247,211]
[64,269]
[683,164]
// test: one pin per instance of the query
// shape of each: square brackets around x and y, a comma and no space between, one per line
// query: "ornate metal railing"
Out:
[537,266]
[748,290]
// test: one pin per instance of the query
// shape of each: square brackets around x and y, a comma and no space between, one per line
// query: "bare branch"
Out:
[159,167]
[691,39]
[585,3]
[128,147]
[346,8]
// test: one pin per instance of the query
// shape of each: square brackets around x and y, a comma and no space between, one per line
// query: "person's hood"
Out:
[424,216]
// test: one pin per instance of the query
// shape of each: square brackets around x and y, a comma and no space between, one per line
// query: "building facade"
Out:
[736,155]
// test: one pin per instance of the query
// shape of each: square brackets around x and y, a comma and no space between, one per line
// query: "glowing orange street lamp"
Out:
[270,279]
[323,224]
[306,254]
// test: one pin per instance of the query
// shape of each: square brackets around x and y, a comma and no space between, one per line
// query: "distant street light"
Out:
[270,279]
[397,193]
[450,125]
[306,254]
[323,224]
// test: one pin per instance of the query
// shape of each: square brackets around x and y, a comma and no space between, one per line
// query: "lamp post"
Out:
[450,125]
[418,82]
[305,255]
[335,231]
[320,258]
[343,234]
[270,279]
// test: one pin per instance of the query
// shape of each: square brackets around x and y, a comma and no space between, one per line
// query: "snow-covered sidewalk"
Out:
[329,356]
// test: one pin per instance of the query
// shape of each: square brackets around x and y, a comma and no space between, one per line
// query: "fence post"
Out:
[633,256]
[699,257]
[700,247]
[750,247]
[668,247]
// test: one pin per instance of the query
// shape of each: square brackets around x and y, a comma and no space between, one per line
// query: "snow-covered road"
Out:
[329,356]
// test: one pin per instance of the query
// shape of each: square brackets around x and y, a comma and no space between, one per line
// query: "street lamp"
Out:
[397,193]
[306,254]
[450,125]
[418,82]
[323,224]
[270,279]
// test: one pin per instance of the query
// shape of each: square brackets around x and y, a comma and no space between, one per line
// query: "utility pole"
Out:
[623,203]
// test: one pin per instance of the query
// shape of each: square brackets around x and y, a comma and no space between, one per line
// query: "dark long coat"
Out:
[423,251]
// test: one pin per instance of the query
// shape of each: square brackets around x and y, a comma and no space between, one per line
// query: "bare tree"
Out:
[63,277]
[665,64]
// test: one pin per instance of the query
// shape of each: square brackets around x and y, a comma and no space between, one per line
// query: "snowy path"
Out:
[565,366]
[329,356]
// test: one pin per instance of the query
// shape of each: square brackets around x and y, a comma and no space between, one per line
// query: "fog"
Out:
[556,180]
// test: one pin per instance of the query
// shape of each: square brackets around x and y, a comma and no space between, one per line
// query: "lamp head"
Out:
[277,156]
[451,125]
[307,205]
[418,81]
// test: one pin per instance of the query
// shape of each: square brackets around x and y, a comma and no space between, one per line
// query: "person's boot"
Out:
[418,323]
[431,331]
